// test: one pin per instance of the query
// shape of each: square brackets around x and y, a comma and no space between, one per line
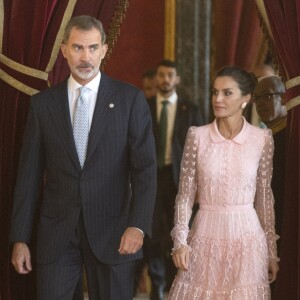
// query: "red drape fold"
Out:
[237,37]
[30,32]
[281,20]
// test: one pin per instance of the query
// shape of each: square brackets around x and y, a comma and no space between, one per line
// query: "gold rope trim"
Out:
[265,26]
[114,28]
[293,103]
[292,82]
[170,23]
[279,126]
[59,37]
[17,84]
[22,68]
[262,9]
[1,23]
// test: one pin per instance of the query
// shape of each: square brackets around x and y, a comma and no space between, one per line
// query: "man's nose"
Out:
[85,55]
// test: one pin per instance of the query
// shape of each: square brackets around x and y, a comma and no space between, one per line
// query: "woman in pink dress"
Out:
[230,251]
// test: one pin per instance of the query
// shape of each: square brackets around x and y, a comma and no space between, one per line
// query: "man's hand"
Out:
[181,257]
[131,241]
[20,258]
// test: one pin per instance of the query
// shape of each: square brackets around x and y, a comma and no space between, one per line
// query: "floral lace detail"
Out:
[232,237]
[184,291]
[186,191]
[264,200]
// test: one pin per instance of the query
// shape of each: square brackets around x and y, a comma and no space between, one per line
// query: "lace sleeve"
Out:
[264,200]
[186,191]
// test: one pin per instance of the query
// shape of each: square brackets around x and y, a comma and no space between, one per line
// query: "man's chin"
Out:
[86,75]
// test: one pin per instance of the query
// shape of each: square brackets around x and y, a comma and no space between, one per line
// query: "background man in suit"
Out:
[180,115]
[271,109]
[270,106]
[149,84]
[98,197]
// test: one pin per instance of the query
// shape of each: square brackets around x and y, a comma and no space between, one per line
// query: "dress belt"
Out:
[226,207]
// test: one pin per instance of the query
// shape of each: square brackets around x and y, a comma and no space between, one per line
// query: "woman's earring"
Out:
[243,105]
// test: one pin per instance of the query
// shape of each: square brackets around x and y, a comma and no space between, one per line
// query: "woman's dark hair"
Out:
[246,81]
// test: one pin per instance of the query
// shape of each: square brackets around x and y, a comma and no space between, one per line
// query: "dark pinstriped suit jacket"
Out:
[187,114]
[116,188]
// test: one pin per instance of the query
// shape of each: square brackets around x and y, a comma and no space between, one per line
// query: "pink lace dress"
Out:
[232,237]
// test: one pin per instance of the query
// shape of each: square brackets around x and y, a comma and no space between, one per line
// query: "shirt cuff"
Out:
[140,231]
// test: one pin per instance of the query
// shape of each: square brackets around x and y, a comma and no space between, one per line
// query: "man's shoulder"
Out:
[117,84]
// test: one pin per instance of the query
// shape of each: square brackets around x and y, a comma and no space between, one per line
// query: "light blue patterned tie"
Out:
[81,125]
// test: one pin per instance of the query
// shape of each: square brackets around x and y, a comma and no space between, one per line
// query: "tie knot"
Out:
[82,90]
[165,102]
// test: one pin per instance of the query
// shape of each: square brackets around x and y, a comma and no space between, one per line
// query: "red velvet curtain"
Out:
[236,34]
[30,30]
[281,22]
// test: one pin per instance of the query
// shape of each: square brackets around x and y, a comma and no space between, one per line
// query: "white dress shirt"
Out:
[91,94]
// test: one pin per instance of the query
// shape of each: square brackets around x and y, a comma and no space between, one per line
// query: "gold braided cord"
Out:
[292,82]
[114,28]
[279,126]
[22,68]
[293,103]
[1,23]
[17,84]
[262,9]
[265,26]
[170,23]
[59,37]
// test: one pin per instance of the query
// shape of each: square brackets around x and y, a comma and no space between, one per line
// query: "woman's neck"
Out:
[229,128]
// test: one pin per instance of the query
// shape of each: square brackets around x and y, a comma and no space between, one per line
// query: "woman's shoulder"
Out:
[201,128]
[260,131]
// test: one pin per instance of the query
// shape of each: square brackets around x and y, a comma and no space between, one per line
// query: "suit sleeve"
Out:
[142,165]
[29,180]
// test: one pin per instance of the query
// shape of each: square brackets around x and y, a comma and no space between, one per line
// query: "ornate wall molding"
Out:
[170,29]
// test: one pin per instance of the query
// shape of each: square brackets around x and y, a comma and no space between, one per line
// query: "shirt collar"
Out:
[240,138]
[172,99]
[93,85]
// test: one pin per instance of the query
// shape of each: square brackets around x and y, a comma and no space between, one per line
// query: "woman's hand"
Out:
[181,257]
[273,269]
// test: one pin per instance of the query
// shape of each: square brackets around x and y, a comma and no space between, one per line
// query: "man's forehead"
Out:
[269,85]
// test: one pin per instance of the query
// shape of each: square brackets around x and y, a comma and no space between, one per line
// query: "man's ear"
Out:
[63,50]
[283,99]
[104,49]
[178,79]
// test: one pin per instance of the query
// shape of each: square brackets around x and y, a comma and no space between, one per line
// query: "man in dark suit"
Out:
[271,109]
[99,187]
[180,114]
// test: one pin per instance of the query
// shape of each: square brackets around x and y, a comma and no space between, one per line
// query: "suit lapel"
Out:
[105,99]
[60,112]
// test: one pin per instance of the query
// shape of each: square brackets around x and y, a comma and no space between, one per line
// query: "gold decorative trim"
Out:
[293,103]
[170,27]
[279,126]
[292,82]
[114,29]
[1,23]
[22,68]
[17,84]
[59,37]
[262,9]
[266,28]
